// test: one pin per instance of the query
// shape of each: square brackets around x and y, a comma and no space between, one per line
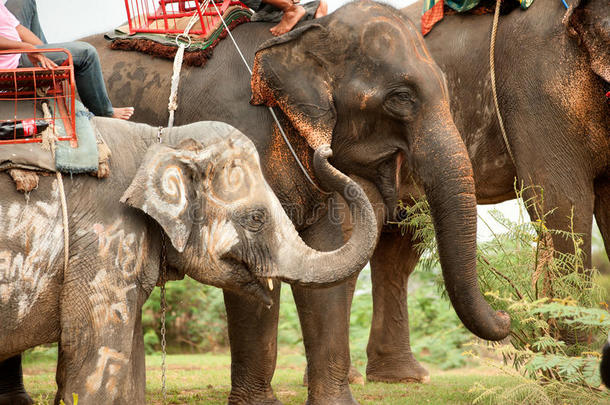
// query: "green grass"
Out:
[205,379]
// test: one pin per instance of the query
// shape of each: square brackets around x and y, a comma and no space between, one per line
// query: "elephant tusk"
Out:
[270,284]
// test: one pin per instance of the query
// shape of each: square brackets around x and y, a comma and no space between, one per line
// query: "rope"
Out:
[277,122]
[172,105]
[173,97]
[492,65]
[49,137]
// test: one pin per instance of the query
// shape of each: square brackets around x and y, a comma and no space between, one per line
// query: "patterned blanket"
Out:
[435,10]
[164,45]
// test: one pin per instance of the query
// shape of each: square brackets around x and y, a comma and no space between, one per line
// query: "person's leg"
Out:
[27,14]
[88,76]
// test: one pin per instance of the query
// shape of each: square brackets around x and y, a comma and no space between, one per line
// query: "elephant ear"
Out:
[163,188]
[291,72]
[590,23]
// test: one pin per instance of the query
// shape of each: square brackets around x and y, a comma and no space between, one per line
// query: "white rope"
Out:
[173,97]
[492,66]
[49,137]
[172,105]
[277,122]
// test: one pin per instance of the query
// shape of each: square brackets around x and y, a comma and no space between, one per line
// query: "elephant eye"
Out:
[401,103]
[253,220]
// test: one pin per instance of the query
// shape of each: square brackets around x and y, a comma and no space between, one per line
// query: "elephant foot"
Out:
[248,398]
[16,398]
[354,376]
[344,399]
[390,370]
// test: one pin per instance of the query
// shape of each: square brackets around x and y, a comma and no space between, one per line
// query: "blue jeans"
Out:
[27,14]
[87,73]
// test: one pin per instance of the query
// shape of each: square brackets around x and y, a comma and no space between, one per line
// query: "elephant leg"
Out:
[253,340]
[572,209]
[97,341]
[98,370]
[12,391]
[602,210]
[354,376]
[324,317]
[325,327]
[389,351]
[137,363]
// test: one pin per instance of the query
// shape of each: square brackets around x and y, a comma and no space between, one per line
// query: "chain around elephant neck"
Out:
[163,265]
[277,121]
[492,66]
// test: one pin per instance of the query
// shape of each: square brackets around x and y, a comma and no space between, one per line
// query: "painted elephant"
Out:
[361,80]
[552,99]
[202,209]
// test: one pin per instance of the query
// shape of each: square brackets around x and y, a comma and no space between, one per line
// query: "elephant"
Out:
[552,98]
[196,204]
[362,81]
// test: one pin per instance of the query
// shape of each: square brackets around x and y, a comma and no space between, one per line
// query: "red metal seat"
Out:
[163,16]
[26,88]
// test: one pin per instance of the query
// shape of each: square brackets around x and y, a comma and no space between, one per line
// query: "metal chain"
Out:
[163,343]
[163,265]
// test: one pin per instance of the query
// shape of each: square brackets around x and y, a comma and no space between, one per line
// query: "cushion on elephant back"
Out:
[91,155]
[165,46]
[435,10]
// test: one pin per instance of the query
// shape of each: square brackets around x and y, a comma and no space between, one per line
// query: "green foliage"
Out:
[196,320]
[437,334]
[559,317]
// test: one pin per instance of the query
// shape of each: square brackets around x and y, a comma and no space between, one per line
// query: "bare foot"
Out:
[291,17]
[322,9]
[123,113]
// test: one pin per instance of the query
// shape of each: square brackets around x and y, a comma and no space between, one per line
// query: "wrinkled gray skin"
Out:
[362,80]
[552,69]
[223,225]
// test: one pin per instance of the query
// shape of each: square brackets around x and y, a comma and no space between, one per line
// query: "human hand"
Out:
[38,59]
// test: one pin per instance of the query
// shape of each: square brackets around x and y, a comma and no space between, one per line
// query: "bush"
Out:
[559,316]
[196,320]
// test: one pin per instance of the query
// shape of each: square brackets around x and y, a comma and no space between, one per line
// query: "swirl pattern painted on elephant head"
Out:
[231,182]
[168,193]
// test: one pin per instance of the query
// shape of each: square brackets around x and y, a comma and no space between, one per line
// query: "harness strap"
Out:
[492,66]
[49,137]
[172,105]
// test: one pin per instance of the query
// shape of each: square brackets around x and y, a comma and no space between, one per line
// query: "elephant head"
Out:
[362,81]
[226,226]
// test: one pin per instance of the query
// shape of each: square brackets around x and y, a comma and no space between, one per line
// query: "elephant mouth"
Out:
[250,283]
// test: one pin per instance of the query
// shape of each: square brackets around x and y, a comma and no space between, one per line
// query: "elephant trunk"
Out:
[305,266]
[446,173]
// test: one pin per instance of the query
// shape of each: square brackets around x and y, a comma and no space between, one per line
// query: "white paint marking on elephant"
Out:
[35,232]
[218,238]
[109,301]
[108,360]
[232,182]
[113,240]
[172,185]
